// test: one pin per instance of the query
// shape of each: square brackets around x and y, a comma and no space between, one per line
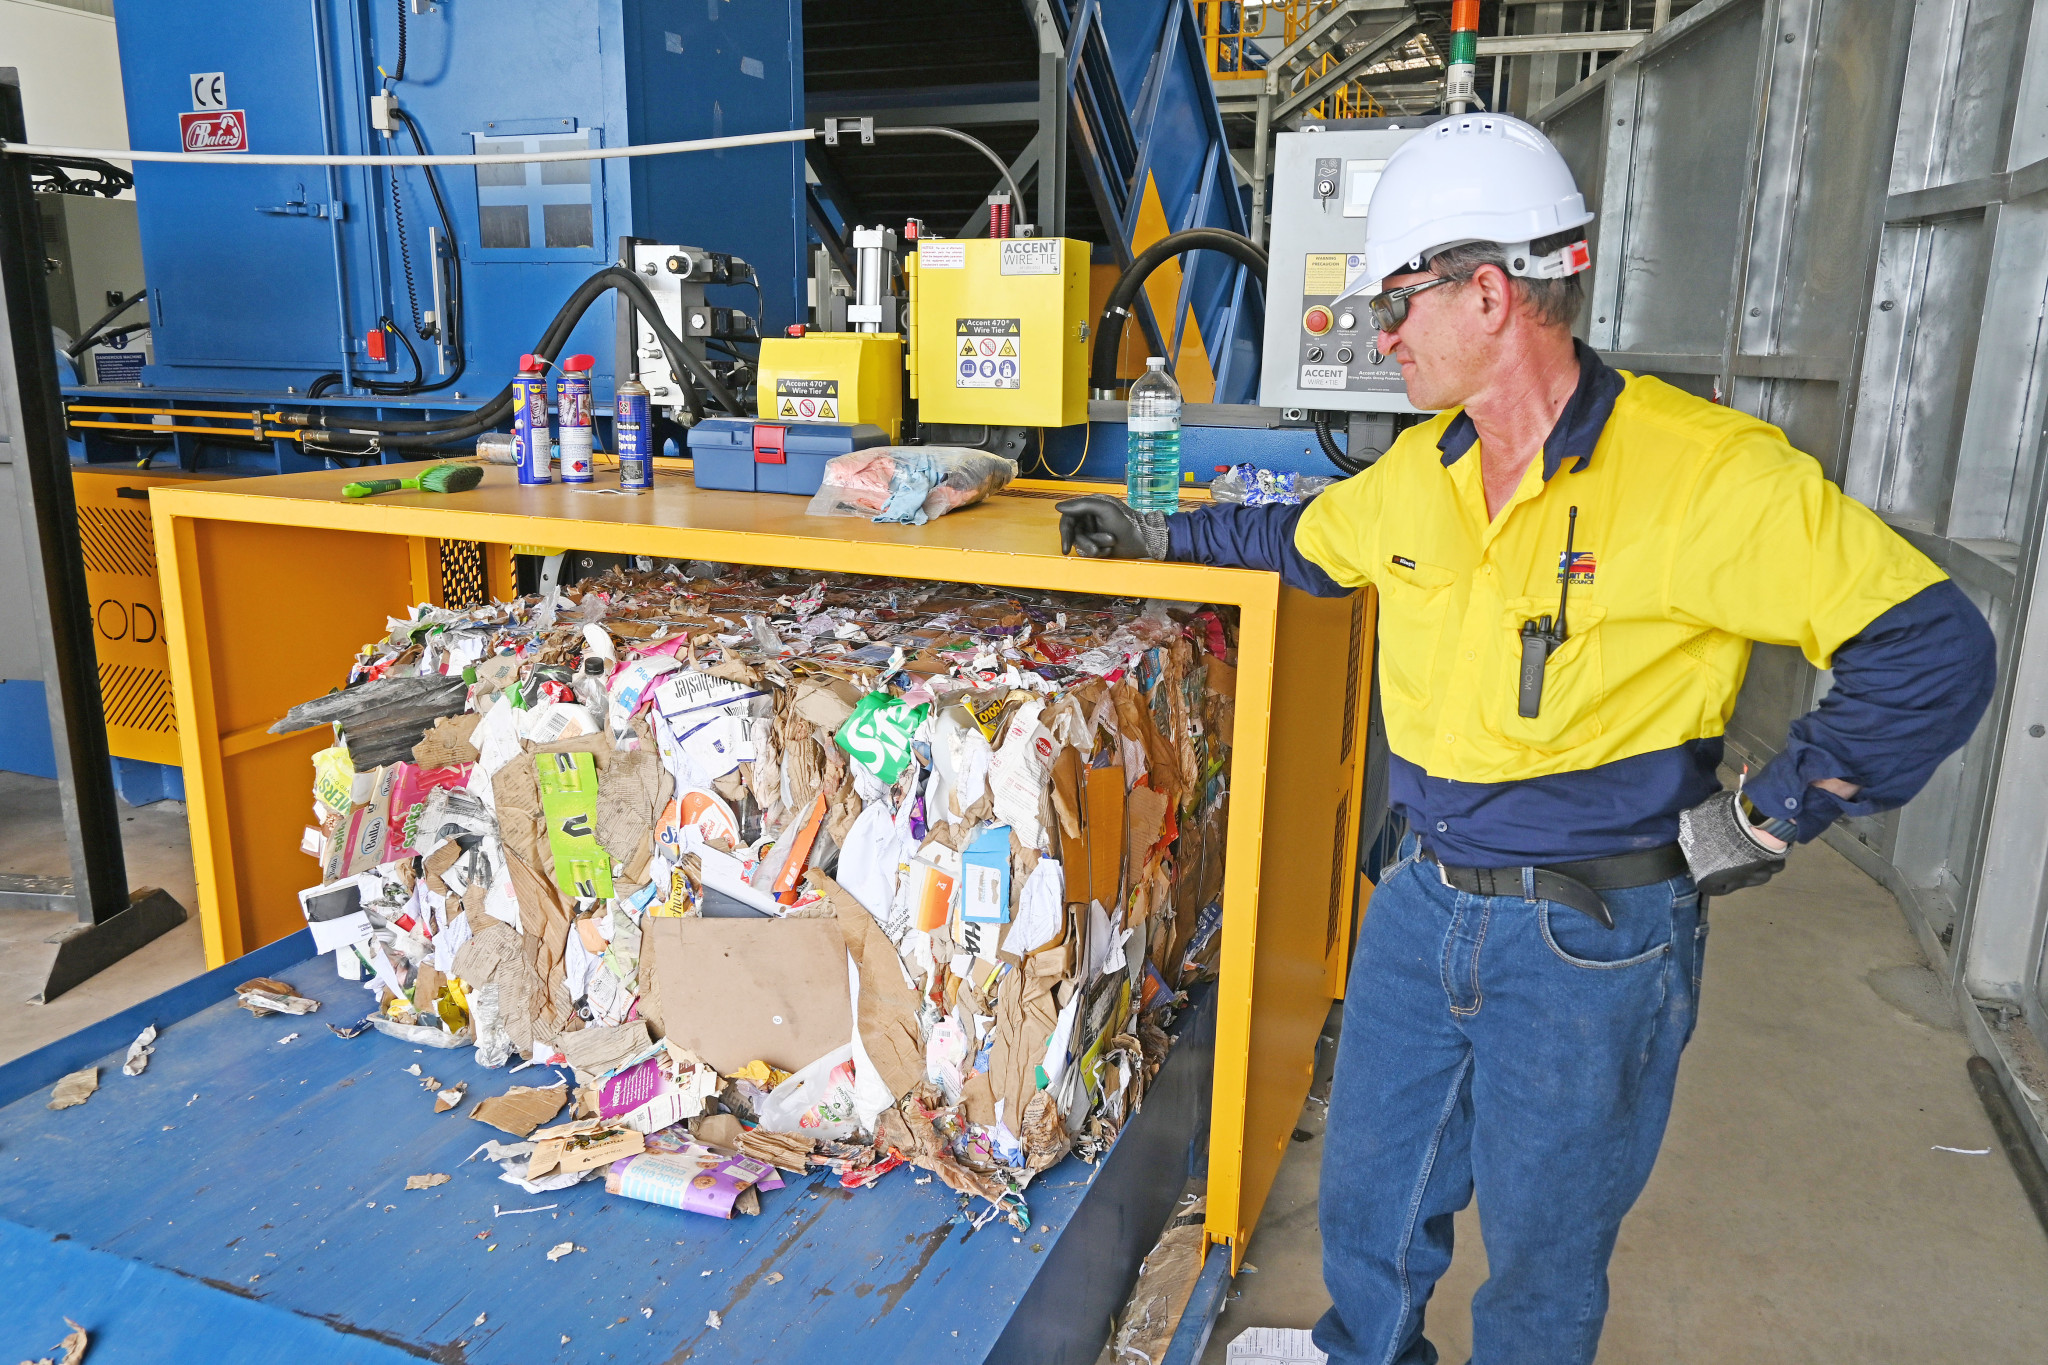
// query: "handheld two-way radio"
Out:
[1542,637]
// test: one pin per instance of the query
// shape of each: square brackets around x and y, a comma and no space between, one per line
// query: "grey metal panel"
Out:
[21,657]
[1691,164]
[1935,276]
[2002,424]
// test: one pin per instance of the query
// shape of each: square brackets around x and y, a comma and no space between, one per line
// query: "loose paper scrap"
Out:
[139,1050]
[74,1089]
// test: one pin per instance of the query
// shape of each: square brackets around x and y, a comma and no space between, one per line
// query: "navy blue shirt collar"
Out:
[1578,426]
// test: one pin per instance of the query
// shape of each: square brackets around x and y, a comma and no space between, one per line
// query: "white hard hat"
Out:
[1476,178]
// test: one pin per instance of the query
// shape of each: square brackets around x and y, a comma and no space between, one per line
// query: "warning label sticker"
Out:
[989,353]
[1031,255]
[941,255]
[807,400]
[1322,273]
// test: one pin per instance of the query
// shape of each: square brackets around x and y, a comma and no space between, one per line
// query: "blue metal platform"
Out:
[244,1200]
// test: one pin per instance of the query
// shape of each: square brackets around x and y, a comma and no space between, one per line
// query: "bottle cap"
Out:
[1155,362]
[579,363]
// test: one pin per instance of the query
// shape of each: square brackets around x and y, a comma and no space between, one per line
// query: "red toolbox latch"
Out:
[768,444]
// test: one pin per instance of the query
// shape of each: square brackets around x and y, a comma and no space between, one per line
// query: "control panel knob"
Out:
[1314,354]
[1316,321]
[1343,355]
[1346,321]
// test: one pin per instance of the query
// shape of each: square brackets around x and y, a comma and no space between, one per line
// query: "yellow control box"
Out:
[849,377]
[999,331]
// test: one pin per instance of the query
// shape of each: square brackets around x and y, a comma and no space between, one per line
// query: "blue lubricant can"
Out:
[532,439]
[633,434]
[572,411]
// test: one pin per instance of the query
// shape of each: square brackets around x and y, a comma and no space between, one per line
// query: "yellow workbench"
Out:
[271,586]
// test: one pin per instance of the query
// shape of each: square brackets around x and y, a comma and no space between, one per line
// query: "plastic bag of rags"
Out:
[908,483]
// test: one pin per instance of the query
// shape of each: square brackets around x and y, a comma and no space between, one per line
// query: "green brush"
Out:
[440,478]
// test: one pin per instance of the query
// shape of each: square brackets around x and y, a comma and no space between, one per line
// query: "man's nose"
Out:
[1384,341]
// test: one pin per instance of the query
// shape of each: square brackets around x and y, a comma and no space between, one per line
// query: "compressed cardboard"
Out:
[734,990]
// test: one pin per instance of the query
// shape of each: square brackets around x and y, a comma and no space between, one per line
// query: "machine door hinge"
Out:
[299,208]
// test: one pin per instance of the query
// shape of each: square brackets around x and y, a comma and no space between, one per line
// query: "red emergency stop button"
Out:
[1316,320]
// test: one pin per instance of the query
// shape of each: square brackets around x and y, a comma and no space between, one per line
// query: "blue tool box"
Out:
[772,457]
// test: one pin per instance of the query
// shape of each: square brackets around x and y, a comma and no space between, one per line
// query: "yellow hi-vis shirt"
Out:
[1699,530]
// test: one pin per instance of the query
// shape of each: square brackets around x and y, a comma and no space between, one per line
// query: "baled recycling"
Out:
[792,872]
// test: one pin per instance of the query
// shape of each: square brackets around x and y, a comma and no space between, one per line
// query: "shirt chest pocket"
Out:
[1414,600]
[1573,684]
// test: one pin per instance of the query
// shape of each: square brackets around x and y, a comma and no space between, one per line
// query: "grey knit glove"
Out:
[1722,849]
[1098,527]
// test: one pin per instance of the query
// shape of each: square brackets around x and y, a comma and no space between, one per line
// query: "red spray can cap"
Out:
[579,362]
[531,364]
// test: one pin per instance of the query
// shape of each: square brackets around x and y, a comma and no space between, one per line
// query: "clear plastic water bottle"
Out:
[1152,458]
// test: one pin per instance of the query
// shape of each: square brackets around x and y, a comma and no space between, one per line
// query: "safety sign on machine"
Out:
[807,400]
[989,352]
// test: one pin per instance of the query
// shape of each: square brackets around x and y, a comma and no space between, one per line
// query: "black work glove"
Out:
[1722,848]
[1097,527]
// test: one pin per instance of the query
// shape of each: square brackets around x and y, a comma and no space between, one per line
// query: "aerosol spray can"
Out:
[532,438]
[633,434]
[572,409]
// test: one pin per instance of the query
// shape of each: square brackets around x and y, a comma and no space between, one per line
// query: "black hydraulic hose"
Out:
[418,371]
[1109,332]
[933,130]
[499,407]
[452,325]
[429,434]
[91,336]
[1336,453]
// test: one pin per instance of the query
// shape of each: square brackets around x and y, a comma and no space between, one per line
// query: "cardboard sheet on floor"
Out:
[734,990]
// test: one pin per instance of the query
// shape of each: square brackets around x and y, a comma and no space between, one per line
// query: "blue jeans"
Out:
[1516,1047]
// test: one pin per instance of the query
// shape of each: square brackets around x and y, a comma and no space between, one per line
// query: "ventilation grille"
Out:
[138,698]
[1337,877]
[463,584]
[117,540]
[1351,672]
[1703,646]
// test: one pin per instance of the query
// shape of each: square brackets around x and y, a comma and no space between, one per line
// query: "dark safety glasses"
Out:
[1390,309]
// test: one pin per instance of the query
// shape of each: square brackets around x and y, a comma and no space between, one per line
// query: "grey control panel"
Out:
[1319,350]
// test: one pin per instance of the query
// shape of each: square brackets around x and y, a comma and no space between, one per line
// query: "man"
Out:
[1529,970]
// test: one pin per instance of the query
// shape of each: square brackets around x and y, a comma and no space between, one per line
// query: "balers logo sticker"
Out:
[225,130]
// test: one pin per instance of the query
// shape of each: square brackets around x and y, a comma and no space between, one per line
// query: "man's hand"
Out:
[1725,852]
[1097,527]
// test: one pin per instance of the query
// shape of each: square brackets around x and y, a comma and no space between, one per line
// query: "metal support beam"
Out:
[1966,196]
[1534,44]
[31,411]
[1051,142]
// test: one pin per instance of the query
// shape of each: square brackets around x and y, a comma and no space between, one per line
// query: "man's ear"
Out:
[1496,295]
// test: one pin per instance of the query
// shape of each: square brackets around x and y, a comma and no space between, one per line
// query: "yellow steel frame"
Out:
[271,585]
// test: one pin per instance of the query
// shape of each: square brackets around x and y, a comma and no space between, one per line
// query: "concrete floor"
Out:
[1797,1213]
[32,843]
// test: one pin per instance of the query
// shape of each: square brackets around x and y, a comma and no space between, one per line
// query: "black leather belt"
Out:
[1572,884]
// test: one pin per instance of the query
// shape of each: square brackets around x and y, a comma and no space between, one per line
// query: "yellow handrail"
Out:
[1229,59]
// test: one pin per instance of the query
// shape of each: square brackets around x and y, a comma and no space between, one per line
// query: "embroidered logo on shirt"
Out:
[1404,562]
[1583,565]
